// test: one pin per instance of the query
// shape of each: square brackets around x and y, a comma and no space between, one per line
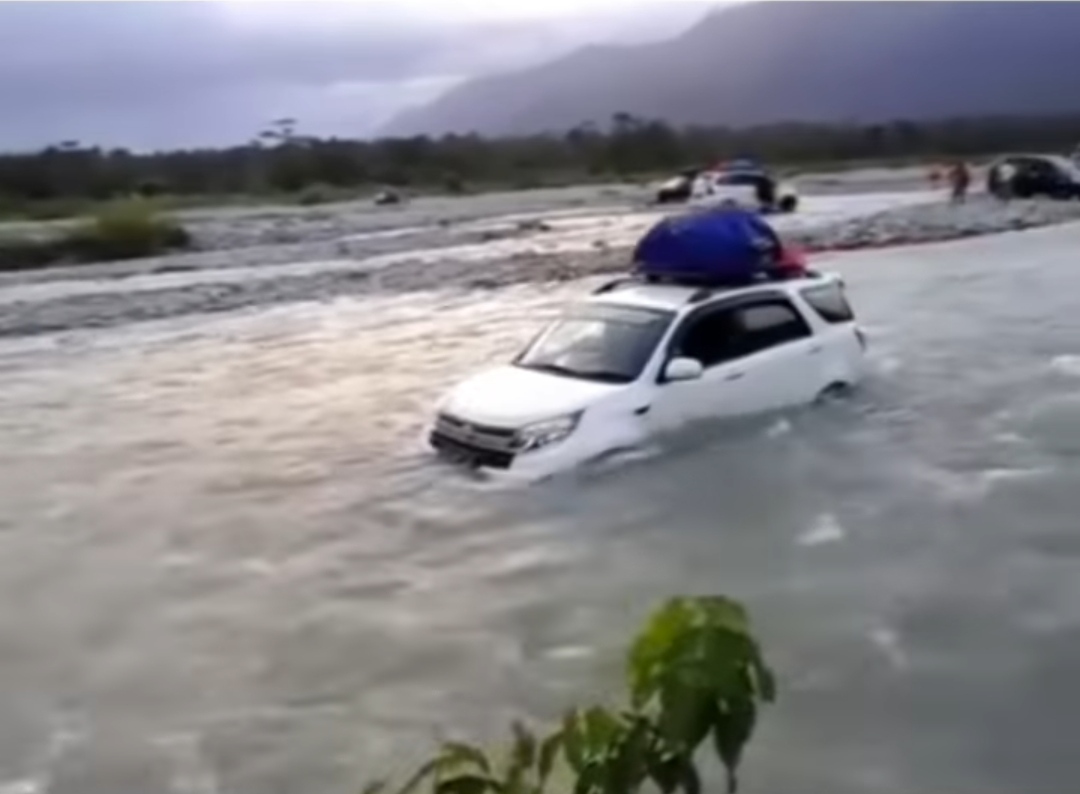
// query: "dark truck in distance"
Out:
[1034,176]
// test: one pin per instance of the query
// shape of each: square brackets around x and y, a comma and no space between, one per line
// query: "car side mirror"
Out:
[682,369]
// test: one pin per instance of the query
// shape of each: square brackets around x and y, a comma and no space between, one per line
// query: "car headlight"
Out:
[547,432]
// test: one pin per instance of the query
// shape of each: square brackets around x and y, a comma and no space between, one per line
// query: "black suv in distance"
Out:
[1036,176]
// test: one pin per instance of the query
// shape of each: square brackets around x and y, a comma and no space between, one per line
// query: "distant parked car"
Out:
[1035,176]
[751,187]
[387,198]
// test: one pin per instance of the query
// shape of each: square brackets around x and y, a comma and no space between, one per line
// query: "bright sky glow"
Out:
[463,10]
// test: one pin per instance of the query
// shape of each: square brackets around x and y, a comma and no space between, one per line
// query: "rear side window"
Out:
[766,325]
[830,303]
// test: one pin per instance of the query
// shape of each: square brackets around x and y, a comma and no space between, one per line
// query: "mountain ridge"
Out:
[808,60]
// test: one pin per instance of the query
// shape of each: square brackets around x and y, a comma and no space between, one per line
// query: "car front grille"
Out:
[476,445]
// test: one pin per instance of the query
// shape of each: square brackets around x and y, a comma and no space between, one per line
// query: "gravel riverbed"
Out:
[580,233]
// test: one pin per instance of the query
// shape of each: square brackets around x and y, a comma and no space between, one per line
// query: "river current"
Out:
[226,564]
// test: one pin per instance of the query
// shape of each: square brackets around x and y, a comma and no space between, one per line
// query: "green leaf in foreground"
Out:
[463,755]
[465,784]
[694,672]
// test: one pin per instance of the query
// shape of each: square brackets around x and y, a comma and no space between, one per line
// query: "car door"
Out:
[745,188]
[708,336]
[1025,181]
[757,356]
[780,356]
[731,187]
[1045,178]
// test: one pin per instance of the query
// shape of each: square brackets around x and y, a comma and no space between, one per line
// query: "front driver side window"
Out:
[709,338]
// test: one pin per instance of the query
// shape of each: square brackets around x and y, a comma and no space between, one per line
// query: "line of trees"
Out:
[281,159]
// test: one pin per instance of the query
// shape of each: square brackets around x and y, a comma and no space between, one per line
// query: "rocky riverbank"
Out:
[500,254]
[937,222]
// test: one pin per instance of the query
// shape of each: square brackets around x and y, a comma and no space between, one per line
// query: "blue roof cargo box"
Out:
[716,246]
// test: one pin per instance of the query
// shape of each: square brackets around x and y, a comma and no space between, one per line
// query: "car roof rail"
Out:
[705,290]
[611,286]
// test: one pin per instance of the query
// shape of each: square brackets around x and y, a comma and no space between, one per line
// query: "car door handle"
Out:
[815,350]
[735,376]
[642,410]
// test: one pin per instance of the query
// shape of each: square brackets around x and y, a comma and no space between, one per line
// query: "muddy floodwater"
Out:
[226,564]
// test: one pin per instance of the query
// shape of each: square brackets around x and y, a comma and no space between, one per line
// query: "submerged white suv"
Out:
[636,359]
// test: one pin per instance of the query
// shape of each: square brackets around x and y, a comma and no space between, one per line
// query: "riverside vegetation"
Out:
[695,675]
[125,195]
[283,163]
[121,230]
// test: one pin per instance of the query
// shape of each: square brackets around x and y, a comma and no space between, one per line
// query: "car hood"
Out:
[512,397]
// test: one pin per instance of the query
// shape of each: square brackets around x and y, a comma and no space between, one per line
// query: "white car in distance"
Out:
[754,190]
[637,359]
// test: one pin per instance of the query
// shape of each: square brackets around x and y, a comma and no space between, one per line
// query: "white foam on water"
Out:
[825,529]
[779,428]
[1068,364]
[887,641]
[570,653]
[24,786]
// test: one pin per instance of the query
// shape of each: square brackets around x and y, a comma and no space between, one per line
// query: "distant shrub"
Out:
[18,253]
[527,182]
[151,188]
[454,185]
[126,230]
[313,195]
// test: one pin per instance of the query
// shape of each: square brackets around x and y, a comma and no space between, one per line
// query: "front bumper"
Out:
[473,445]
[493,450]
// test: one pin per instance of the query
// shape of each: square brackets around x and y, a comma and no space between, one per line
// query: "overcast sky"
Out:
[191,72]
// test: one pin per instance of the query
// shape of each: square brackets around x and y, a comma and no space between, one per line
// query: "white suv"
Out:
[754,190]
[637,358]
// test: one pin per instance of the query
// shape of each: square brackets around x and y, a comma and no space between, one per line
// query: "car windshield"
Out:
[1069,167]
[739,178]
[611,344]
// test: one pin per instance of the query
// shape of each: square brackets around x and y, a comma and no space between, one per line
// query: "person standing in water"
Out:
[960,181]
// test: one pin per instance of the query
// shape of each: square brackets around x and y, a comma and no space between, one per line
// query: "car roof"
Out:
[1054,158]
[1058,160]
[678,297]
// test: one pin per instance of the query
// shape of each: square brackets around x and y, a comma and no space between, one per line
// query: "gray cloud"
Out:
[197,73]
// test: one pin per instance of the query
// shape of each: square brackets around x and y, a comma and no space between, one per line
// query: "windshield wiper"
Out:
[581,374]
[554,369]
[604,375]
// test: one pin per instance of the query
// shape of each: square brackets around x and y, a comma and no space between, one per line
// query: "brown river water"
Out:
[227,565]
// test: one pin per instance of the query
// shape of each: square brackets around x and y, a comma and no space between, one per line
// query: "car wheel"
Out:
[788,204]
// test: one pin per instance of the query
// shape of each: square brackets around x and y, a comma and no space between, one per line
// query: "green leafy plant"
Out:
[695,676]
